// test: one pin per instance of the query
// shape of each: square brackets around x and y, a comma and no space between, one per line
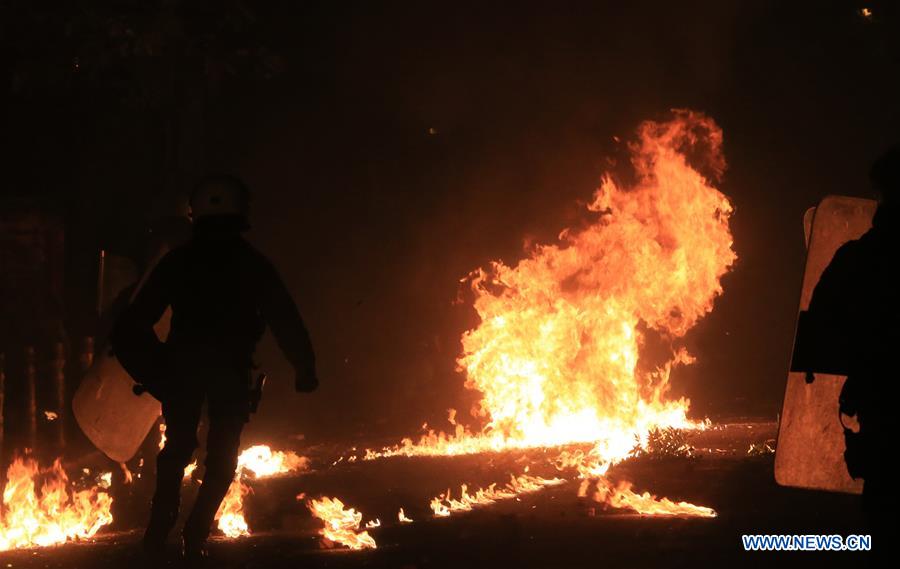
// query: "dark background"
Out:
[394,147]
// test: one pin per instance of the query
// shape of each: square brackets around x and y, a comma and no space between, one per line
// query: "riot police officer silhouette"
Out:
[852,322]
[223,293]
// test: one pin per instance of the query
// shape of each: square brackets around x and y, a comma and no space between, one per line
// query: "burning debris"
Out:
[57,515]
[341,524]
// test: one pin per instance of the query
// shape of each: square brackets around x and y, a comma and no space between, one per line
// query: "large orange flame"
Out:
[55,516]
[555,356]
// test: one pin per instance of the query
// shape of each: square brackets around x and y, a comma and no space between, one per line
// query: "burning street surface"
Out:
[324,516]
[43,508]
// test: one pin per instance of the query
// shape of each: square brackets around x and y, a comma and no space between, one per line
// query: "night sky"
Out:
[394,147]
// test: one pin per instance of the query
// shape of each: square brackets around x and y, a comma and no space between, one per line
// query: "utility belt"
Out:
[164,388]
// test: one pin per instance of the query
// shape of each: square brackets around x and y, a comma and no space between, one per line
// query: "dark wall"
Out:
[402,145]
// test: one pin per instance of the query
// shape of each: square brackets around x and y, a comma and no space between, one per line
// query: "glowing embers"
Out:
[55,515]
[342,524]
[256,462]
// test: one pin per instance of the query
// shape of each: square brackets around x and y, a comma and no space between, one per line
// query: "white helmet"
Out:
[219,195]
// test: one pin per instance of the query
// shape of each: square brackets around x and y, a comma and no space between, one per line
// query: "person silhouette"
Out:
[852,318]
[223,293]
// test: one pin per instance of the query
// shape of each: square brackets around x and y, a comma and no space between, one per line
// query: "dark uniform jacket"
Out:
[850,329]
[223,294]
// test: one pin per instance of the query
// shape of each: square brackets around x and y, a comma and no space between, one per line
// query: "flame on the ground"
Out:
[556,354]
[341,523]
[622,496]
[55,515]
[256,462]
[262,461]
[402,518]
[230,516]
[445,504]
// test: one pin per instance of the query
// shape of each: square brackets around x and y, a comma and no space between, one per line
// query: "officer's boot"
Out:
[165,504]
[199,522]
[163,516]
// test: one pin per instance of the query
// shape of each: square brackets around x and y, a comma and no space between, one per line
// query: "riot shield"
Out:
[810,451]
[107,410]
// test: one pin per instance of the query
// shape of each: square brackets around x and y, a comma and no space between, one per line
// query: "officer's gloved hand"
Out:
[306,380]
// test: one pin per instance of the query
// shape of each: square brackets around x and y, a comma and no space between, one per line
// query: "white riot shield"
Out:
[107,410]
[810,451]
